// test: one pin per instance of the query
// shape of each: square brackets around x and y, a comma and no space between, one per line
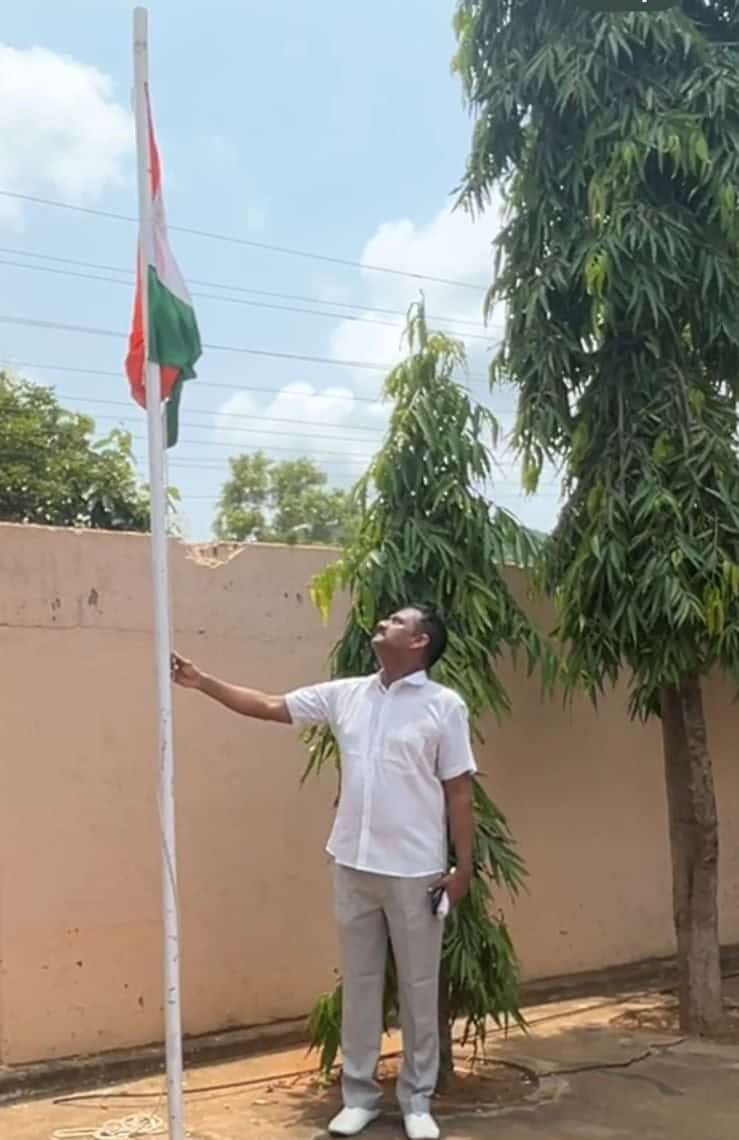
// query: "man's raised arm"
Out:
[246,702]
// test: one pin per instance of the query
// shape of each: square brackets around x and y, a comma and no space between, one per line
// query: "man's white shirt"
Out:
[398,745]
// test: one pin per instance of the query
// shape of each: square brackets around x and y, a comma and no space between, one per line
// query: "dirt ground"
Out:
[601,1069]
[482,1083]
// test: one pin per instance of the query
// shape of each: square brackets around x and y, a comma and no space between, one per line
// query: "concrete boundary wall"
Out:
[80,958]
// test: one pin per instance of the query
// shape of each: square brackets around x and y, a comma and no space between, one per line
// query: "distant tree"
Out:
[53,472]
[244,501]
[286,501]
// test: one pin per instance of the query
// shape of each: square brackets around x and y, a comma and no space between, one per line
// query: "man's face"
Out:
[399,633]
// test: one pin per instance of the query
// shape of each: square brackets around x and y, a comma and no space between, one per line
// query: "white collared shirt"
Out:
[397,745]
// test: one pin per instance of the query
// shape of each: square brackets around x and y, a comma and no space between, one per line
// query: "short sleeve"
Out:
[313,704]
[455,749]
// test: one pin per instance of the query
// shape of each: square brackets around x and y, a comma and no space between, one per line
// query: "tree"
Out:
[615,140]
[427,532]
[244,499]
[280,502]
[53,473]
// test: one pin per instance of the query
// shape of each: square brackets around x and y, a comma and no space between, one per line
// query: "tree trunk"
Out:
[446,1055]
[693,821]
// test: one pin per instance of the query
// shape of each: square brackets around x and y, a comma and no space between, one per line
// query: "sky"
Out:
[335,129]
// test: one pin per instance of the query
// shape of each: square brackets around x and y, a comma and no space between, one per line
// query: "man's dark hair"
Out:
[431,622]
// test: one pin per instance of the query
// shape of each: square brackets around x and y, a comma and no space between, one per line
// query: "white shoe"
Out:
[421,1126]
[352,1121]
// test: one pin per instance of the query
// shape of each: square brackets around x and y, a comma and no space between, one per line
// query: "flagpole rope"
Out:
[273,354]
[376,401]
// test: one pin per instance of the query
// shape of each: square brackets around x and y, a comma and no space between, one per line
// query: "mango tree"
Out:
[615,141]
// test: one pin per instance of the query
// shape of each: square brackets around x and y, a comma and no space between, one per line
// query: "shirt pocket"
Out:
[411,747]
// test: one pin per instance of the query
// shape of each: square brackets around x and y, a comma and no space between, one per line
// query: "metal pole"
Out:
[173,1018]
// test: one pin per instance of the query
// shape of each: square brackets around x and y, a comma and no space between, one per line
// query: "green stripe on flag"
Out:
[174,339]
[174,342]
[172,412]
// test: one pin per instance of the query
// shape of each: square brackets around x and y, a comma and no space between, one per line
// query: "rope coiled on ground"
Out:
[127,1128]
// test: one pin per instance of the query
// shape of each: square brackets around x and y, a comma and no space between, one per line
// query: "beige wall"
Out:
[79,869]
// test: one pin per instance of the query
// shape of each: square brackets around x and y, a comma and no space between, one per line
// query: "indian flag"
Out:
[174,339]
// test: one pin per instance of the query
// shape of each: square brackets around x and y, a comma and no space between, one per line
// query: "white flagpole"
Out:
[173,1019]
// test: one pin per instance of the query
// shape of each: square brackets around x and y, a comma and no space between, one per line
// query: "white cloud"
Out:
[303,420]
[450,246]
[61,130]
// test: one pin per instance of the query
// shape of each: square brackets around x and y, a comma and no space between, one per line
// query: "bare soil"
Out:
[482,1083]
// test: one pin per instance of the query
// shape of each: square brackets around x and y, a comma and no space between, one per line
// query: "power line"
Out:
[259,431]
[208,412]
[11,251]
[86,330]
[136,421]
[375,401]
[60,326]
[508,487]
[219,463]
[220,467]
[283,392]
[79,275]
[86,399]
[505,495]
[548,490]
[376,434]
[253,244]
[505,489]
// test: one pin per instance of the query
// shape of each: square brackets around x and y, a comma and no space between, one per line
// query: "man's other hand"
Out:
[457,886]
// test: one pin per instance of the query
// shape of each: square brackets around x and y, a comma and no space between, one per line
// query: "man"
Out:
[407,768]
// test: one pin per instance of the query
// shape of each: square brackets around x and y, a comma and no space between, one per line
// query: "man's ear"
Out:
[420,641]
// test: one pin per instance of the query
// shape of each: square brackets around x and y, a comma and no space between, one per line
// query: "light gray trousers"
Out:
[370,907]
